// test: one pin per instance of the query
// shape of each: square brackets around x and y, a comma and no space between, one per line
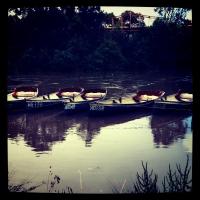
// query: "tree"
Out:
[72,38]
[91,17]
[173,15]
[131,18]
[108,56]
[109,19]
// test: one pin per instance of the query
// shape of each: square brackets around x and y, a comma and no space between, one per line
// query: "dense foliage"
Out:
[73,39]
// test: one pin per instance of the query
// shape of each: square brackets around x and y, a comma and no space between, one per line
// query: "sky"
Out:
[117,10]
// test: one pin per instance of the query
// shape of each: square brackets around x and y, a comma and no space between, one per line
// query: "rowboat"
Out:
[18,97]
[142,99]
[54,99]
[81,102]
[182,100]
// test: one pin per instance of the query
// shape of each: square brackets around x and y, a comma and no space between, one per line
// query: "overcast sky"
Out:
[117,10]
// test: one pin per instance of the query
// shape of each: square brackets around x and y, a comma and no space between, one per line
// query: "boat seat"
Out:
[69,94]
[94,95]
[186,97]
[144,97]
[148,97]
[24,94]
[92,98]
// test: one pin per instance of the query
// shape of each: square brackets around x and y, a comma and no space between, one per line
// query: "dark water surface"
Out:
[93,154]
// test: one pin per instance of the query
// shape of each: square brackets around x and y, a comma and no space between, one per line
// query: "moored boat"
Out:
[54,99]
[18,97]
[181,101]
[81,102]
[142,99]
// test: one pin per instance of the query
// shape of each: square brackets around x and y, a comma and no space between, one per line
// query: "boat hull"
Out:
[76,107]
[33,104]
[53,100]
[99,108]
[83,103]
[16,105]
[170,106]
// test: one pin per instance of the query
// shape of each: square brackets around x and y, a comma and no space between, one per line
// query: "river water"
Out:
[96,154]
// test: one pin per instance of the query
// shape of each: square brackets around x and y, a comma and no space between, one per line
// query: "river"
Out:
[96,154]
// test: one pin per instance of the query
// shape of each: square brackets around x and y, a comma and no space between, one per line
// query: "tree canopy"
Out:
[173,15]
[72,38]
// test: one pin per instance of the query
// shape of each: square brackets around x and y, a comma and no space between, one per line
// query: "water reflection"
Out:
[168,128]
[95,124]
[83,142]
[43,129]
[40,130]
[16,125]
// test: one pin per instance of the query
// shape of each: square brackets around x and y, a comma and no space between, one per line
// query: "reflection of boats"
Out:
[142,99]
[88,127]
[182,100]
[103,121]
[168,128]
[81,102]
[54,99]
[43,129]
[97,123]
[17,98]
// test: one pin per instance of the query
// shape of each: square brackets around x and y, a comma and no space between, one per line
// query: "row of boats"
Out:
[96,101]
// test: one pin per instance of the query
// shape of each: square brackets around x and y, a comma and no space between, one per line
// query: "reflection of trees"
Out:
[96,123]
[88,127]
[168,128]
[43,129]
[80,121]
[40,129]
[41,134]
[16,125]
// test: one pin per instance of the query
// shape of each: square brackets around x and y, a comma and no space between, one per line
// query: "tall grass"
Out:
[177,180]
[146,182]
